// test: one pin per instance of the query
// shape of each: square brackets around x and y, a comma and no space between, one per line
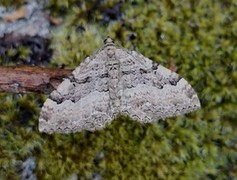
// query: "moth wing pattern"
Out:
[115,81]
[153,92]
[81,101]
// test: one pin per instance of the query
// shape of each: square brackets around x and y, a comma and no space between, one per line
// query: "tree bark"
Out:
[35,79]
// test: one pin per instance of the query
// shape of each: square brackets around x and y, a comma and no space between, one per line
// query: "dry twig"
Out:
[30,79]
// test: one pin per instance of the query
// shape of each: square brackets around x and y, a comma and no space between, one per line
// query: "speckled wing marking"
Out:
[151,91]
[82,101]
[115,81]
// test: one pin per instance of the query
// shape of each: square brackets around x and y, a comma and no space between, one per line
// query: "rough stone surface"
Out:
[115,81]
[34,23]
[28,168]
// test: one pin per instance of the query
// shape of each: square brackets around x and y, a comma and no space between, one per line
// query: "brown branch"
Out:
[24,79]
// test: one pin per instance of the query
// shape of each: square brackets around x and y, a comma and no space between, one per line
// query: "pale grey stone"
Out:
[115,81]
[34,23]
[27,169]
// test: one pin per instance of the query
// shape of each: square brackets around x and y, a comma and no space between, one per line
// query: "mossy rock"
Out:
[199,37]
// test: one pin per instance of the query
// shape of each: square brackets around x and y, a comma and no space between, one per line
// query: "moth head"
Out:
[108,41]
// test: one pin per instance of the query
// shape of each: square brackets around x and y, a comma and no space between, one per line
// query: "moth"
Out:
[115,81]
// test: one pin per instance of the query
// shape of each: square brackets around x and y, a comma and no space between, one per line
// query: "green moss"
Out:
[15,3]
[199,36]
